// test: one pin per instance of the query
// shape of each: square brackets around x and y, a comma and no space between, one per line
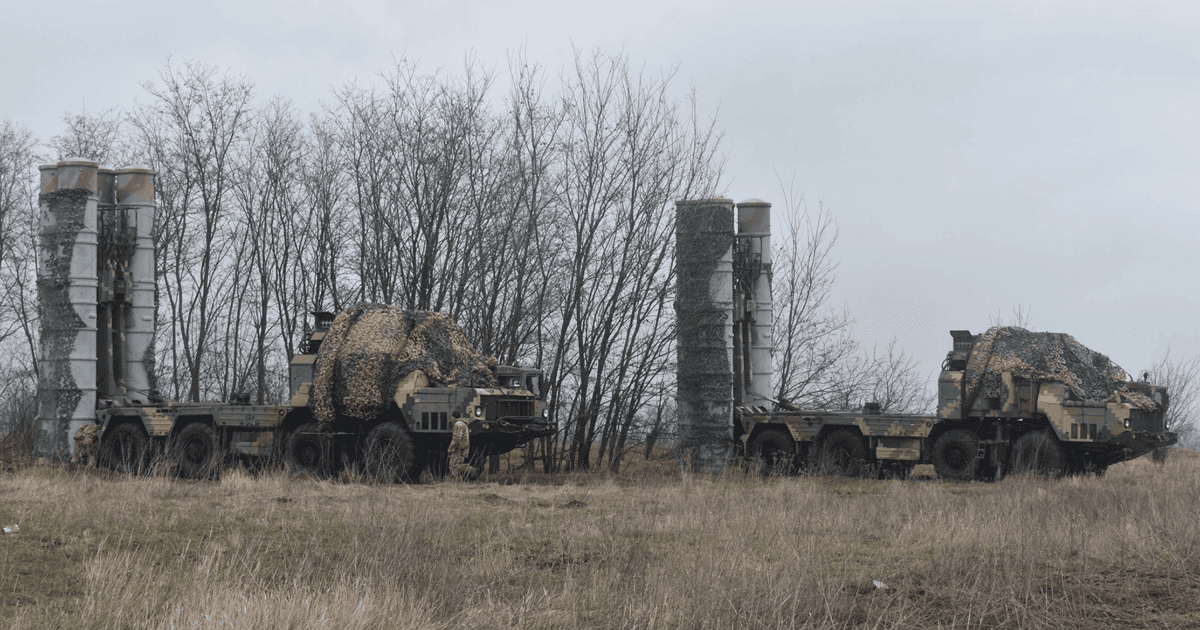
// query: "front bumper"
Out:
[516,424]
[1134,444]
[1153,439]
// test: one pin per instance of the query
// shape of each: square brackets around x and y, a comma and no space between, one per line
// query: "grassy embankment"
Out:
[649,549]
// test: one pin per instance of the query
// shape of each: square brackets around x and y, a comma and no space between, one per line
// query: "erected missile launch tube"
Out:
[704,316]
[67,289]
[754,241]
[135,200]
[107,312]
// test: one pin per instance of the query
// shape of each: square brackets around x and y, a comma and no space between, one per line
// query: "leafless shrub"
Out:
[1181,377]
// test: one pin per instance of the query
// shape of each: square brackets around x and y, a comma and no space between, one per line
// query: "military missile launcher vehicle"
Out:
[380,419]
[1009,401]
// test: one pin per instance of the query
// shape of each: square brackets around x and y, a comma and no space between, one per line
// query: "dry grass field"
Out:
[650,548]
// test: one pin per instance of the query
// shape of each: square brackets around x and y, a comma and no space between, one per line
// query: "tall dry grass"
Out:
[653,550]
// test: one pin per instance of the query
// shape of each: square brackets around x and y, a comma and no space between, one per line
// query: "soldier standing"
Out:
[85,443]
[460,447]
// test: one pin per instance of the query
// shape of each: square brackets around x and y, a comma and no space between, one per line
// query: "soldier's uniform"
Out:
[85,443]
[460,446]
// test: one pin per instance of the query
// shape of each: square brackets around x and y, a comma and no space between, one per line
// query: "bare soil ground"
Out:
[649,548]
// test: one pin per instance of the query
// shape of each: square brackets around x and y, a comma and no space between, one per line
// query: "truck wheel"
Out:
[1040,453]
[124,448]
[307,451]
[956,454]
[773,452]
[390,456]
[195,450]
[842,453]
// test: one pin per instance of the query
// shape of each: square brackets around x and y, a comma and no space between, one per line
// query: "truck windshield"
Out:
[534,384]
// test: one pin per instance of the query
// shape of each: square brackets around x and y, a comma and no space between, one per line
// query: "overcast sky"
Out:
[977,155]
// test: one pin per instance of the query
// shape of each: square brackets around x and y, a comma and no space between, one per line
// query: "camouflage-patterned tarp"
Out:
[370,347]
[1045,356]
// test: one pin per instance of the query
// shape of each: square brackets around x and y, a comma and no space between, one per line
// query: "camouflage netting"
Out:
[1042,356]
[117,242]
[370,348]
[58,393]
[148,360]
[704,235]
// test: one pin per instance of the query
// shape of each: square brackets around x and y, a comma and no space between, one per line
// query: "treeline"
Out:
[541,219]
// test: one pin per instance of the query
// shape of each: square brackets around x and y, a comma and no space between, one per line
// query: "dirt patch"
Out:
[370,347]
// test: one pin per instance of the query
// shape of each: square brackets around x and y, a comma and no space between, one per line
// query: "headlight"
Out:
[479,412]
[545,414]
[1126,423]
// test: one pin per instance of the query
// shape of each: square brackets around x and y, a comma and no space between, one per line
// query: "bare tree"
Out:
[18,219]
[191,128]
[817,363]
[18,303]
[626,156]
[506,281]
[518,286]
[95,137]
[1181,377]
[367,154]
[320,274]
[268,193]
[895,384]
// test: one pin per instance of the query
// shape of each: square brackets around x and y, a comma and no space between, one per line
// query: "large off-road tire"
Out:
[842,452]
[956,454]
[773,452]
[196,451]
[308,451]
[1038,452]
[389,453]
[124,448]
